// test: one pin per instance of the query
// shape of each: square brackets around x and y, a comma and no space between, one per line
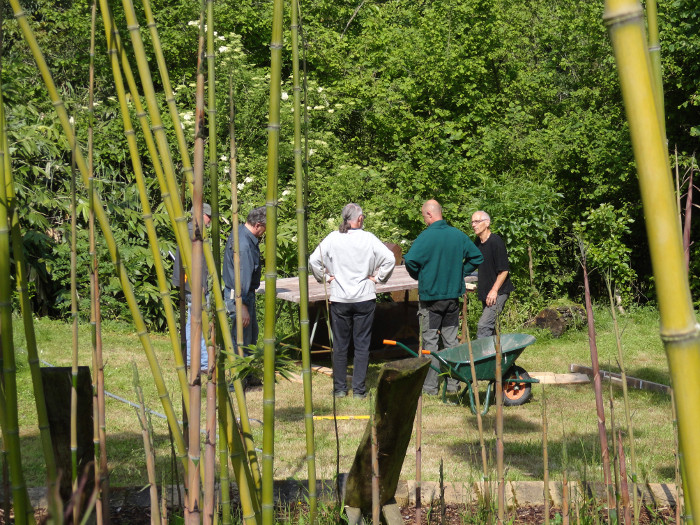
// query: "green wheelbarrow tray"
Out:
[454,362]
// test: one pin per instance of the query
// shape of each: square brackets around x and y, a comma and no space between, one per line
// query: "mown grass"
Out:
[449,431]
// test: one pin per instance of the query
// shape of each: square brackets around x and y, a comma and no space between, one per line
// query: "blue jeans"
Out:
[204,358]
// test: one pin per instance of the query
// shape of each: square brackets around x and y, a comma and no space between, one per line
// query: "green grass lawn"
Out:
[449,432]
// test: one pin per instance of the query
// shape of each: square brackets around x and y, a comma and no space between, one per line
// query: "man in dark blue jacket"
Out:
[249,235]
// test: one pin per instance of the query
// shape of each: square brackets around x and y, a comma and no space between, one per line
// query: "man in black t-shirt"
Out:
[494,285]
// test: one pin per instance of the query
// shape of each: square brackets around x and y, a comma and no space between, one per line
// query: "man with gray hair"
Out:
[249,235]
[494,285]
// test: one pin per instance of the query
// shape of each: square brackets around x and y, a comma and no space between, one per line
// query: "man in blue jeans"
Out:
[204,361]
[440,258]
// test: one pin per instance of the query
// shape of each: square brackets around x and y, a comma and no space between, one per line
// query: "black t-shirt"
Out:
[495,262]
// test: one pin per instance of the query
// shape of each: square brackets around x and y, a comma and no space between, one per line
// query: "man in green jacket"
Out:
[440,258]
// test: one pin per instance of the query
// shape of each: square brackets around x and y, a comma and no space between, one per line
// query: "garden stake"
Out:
[375,467]
[8,396]
[564,480]
[106,230]
[419,437]
[679,328]
[74,338]
[273,133]
[615,457]
[303,271]
[624,489]
[479,421]
[147,435]
[192,513]
[27,318]
[442,495]
[628,412]
[597,387]
[102,513]
[500,470]
[545,458]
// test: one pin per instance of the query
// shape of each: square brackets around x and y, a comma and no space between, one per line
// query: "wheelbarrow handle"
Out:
[390,342]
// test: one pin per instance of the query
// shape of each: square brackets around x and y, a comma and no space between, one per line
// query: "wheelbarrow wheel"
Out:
[516,394]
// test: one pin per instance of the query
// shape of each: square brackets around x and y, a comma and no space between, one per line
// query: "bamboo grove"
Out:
[174,167]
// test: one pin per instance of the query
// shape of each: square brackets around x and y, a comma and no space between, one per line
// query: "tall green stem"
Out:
[655,58]
[271,266]
[106,230]
[10,420]
[302,255]
[74,318]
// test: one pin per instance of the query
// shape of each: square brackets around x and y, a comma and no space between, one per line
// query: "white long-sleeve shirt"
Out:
[350,258]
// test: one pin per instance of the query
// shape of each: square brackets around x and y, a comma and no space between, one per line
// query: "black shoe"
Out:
[340,393]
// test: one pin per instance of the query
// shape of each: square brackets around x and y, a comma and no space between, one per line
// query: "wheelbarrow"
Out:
[454,362]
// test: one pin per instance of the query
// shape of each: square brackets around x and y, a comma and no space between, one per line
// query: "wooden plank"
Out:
[550,378]
[288,288]
[634,382]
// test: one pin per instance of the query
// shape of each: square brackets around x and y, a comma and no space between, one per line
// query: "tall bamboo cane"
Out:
[302,256]
[679,329]
[500,470]
[106,230]
[114,47]
[180,223]
[26,308]
[74,318]
[10,426]
[210,440]
[271,266]
[655,58]
[597,386]
[192,515]
[98,392]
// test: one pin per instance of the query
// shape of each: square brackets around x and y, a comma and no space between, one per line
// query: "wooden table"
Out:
[402,312]
[288,288]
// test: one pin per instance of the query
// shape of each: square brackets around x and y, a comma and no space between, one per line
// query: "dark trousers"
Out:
[351,321]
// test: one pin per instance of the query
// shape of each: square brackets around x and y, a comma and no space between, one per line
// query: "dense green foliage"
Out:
[502,105]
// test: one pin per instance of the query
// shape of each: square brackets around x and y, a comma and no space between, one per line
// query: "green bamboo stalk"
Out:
[147,435]
[169,96]
[655,59]
[211,120]
[10,427]
[192,514]
[628,412]
[114,47]
[624,489]
[271,267]
[74,318]
[106,230]
[26,309]
[419,441]
[303,270]
[479,419]
[99,439]
[677,463]
[679,328]
[250,504]
[565,479]
[615,458]
[180,222]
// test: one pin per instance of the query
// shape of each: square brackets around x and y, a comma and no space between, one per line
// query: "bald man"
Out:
[440,258]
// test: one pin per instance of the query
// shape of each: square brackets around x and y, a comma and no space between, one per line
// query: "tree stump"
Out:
[558,320]
[398,390]
[57,392]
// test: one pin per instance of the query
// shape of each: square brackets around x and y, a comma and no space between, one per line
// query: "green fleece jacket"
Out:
[440,258]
